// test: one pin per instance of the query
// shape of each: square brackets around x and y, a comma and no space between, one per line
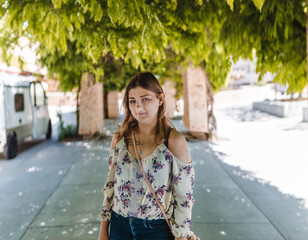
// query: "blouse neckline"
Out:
[126,148]
[155,150]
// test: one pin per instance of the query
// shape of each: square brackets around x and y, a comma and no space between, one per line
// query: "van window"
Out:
[39,93]
[19,102]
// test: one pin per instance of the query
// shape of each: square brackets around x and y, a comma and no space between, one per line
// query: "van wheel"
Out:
[48,134]
[10,148]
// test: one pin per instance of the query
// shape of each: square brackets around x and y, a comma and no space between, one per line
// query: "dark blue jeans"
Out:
[131,228]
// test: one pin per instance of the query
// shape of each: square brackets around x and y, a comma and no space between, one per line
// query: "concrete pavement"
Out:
[53,191]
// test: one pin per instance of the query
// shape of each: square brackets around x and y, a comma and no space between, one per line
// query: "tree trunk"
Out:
[106,104]
[195,90]
[91,116]
[77,108]
[210,108]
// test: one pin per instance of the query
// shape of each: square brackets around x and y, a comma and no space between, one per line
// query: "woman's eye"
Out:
[132,101]
[146,99]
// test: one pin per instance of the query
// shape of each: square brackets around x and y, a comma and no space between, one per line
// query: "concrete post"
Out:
[195,102]
[113,107]
[170,92]
[91,117]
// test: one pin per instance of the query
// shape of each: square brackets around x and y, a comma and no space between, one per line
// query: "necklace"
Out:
[140,150]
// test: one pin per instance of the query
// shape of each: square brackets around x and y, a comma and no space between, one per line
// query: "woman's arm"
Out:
[182,185]
[104,231]
[108,191]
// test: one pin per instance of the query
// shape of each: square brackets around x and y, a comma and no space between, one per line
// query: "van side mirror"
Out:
[46,100]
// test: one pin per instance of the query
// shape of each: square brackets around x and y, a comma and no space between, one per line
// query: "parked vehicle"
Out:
[23,111]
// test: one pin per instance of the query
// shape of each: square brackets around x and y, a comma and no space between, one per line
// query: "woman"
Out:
[128,203]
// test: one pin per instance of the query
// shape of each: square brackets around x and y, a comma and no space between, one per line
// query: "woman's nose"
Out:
[139,104]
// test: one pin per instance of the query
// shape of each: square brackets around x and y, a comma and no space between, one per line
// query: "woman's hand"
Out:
[103,236]
[191,238]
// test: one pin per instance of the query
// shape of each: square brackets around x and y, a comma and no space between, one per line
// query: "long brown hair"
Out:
[149,82]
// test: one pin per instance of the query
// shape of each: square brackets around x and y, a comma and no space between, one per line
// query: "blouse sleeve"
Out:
[183,177]
[108,189]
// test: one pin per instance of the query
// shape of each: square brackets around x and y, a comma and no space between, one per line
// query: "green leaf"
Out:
[230,3]
[199,2]
[259,3]
[56,3]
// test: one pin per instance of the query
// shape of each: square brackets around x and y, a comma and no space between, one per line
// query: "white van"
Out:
[23,111]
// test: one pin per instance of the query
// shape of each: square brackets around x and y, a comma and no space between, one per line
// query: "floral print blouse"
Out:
[127,193]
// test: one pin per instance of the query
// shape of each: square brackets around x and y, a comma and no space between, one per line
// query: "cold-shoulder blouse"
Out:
[127,193]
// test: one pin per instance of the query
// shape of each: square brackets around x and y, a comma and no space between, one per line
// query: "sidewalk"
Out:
[53,191]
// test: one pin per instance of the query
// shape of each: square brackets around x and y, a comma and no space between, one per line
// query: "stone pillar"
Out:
[170,92]
[195,102]
[113,106]
[91,116]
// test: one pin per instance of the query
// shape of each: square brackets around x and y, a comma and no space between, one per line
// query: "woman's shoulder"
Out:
[178,146]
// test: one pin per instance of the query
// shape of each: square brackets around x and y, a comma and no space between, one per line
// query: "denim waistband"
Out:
[138,228]
[135,219]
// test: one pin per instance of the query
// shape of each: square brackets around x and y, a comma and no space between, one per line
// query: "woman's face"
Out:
[143,104]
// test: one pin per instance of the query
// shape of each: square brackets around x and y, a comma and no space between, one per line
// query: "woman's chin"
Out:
[143,120]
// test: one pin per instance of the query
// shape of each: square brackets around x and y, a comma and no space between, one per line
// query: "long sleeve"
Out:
[108,189]
[183,176]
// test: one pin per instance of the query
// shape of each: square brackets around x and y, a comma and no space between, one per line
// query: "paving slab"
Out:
[224,205]
[79,231]
[17,212]
[207,170]
[38,171]
[26,183]
[92,165]
[288,215]
[236,231]
[87,173]
[71,204]
[285,212]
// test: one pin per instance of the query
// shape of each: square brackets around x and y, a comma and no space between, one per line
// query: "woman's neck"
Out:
[146,130]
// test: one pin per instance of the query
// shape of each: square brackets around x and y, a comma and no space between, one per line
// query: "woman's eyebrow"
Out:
[141,96]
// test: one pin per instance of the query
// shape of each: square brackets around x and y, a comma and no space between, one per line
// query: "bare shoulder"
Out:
[178,146]
[114,141]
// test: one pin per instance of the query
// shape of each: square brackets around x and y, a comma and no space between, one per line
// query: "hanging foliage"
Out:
[101,36]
